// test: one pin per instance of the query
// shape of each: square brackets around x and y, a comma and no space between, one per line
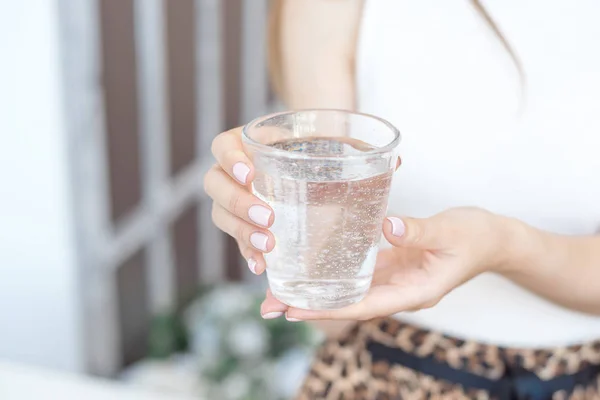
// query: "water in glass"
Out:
[328,218]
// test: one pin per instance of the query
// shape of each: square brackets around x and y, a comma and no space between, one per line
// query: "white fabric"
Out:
[25,382]
[436,71]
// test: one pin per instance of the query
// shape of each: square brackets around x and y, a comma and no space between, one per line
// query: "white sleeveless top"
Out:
[436,71]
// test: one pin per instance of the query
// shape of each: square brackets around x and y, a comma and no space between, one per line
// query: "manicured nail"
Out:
[259,215]
[272,315]
[292,319]
[241,171]
[252,265]
[259,240]
[397,226]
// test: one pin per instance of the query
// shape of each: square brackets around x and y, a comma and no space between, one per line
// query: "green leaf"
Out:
[224,367]
[167,336]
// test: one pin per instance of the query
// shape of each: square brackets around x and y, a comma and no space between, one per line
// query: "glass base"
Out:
[320,294]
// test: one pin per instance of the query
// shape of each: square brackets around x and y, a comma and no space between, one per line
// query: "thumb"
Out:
[410,232]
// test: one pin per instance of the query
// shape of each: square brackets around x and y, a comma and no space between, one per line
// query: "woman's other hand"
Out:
[430,257]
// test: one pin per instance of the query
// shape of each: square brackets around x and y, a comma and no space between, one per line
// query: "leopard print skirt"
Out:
[386,359]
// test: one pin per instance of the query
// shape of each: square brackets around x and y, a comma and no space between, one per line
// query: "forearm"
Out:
[563,269]
[317,56]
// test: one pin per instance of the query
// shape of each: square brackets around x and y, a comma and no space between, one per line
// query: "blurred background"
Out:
[110,267]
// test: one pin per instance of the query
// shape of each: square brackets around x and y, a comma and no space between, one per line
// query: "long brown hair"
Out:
[507,46]
[274,44]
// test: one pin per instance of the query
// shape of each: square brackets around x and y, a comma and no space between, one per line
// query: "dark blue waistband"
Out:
[516,384]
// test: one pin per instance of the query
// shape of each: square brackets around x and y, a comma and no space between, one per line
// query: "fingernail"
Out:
[259,240]
[291,319]
[272,315]
[260,215]
[397,226]
[241,171]
[252,265]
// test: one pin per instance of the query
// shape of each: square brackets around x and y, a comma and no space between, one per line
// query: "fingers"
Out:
[247,235]
[385,298]
[229,152]
[386,258]
[235,209]
[271,307]
[381,301]
[254,258]
[236,199]
[411,232]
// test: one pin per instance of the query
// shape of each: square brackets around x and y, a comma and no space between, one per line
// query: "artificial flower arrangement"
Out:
[240,355]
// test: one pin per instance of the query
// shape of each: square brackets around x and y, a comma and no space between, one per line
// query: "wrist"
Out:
[520,245]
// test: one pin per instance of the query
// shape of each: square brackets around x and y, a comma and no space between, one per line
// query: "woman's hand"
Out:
[430,258]
[235,210]
[240,214]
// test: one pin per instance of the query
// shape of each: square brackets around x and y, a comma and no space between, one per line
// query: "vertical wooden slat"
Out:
[255,87]
[134,315]
[232,73]
[211,121]
[155,148]
[184,234]
[119,74]
[209,61]
[181,77]
[232,59]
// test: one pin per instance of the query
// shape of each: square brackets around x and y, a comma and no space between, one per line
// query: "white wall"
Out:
[38,302]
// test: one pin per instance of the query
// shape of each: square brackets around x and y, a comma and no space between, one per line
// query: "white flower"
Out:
[235,387]
[264,372]
[206,342]
[289,372]
[248,338]
[227,301]
[192,314]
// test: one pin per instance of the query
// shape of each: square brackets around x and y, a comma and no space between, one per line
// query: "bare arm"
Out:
[317,44]
[563,269]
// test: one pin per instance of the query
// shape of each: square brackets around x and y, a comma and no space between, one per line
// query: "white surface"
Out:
[38,306]
[436,71]
[19,382]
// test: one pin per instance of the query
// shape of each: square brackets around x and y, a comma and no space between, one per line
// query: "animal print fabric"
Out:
[344,369]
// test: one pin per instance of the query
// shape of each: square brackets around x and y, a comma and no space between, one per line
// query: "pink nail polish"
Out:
[259,215]
[259,240]
[252,265]
[290,319]
[241,171]
[272,315]
[397,226]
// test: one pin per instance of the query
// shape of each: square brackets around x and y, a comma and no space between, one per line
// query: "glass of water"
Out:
[327,176]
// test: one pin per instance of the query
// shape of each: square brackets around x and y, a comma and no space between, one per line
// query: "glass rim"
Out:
[387,148]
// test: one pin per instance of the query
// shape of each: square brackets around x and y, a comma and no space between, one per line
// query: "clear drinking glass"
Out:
[327,175]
